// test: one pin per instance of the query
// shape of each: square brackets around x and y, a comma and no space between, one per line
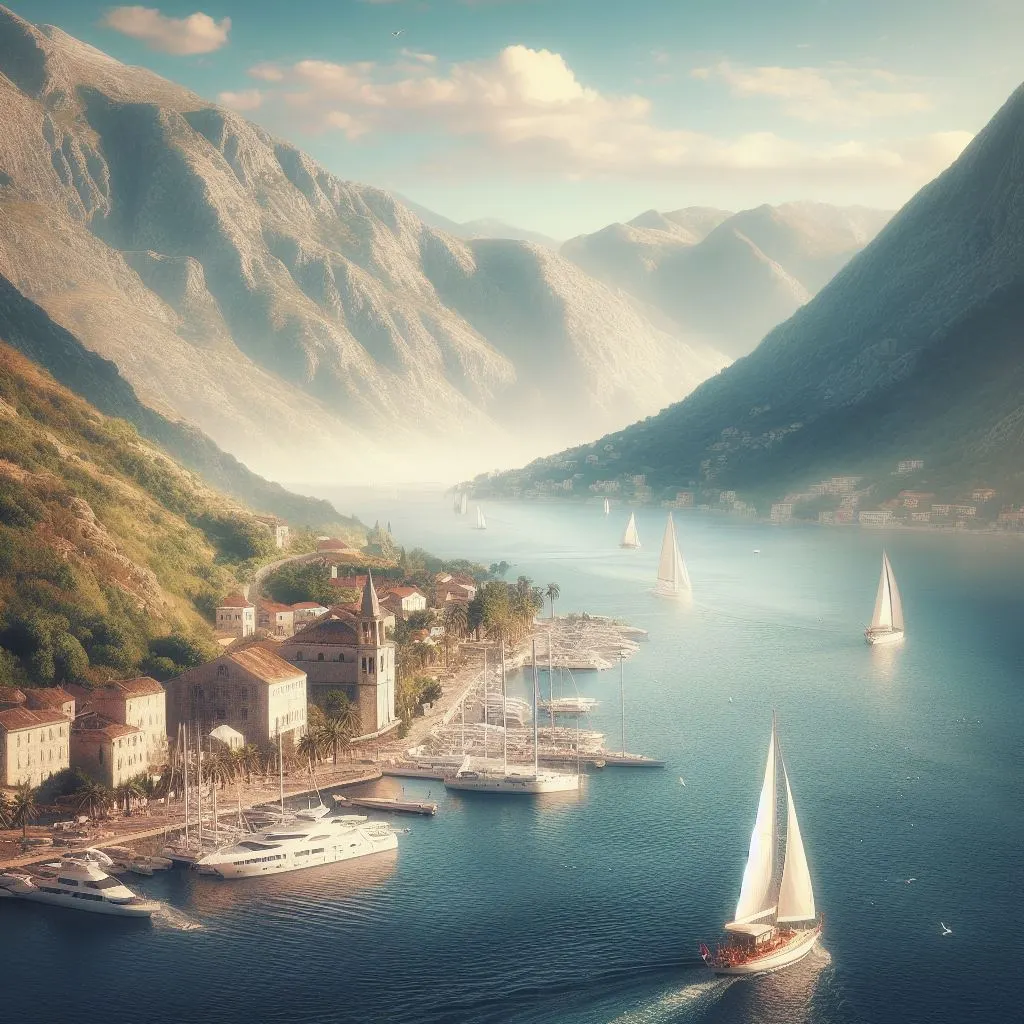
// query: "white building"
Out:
[236,615]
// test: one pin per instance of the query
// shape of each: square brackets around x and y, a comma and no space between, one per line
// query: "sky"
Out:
[562,116]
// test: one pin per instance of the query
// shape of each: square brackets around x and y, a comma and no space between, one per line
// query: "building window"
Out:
[320,656]
[298,655]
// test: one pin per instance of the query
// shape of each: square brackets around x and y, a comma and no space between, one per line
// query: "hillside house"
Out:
[236,616]
[278,530]
[305,612]
[782,512]
[875,517]
[404,600]
[276,619]
[50,698]
[33,746]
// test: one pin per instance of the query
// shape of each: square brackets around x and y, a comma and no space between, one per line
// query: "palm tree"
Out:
[310,746]
[333,734]
[456,618]
[24,808]
[252,761]
[552,592]
[5,811]
[94,796]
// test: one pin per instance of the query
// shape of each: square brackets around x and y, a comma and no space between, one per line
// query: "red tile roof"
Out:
[48,696]
[403,591]
[307,604]
[334,544]
[11,695]
[265,665]
[328,630]
[17,719]
[349,582]
[274,606]
[98,724]
[141,686]
[235,601]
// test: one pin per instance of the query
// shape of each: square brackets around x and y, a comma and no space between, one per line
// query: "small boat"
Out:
[78,882]
[775,923]
[673,579]
[569,705]
[481,522]
[607,506]
[887,619]
[387,803]
[630,539]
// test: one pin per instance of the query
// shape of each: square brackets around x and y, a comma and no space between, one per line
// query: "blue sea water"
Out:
[905,763]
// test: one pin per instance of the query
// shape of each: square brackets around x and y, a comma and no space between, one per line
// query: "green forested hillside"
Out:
[110,553]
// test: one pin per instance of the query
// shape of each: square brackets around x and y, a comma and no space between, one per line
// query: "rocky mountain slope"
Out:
[27,328]
[727,277]
[111,555]
[302,321]
[913,350]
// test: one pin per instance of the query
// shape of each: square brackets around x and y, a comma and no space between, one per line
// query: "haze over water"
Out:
[905,763]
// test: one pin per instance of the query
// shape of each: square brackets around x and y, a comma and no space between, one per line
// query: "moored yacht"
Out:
[775,923]
[290,846]
[77,882]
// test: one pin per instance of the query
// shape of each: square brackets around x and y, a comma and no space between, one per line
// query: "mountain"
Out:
[485,227]
[727,277]
[311,327]
[112,557]
[27,328]
[911,351]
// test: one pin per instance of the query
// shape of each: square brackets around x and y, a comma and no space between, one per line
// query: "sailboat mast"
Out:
[280,769]
[536,738]
[199,784]
[551,691]
[487,707]
[622,705]
[216,818]
[504,721]
[183,753]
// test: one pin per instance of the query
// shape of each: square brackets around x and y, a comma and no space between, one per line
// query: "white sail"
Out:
[796,897]
[631,539]
[607,506]
[481,523]
[756,891]
[672,574]
[895,603]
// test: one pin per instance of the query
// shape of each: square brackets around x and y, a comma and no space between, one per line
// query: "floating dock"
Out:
[437,774]
[387,803]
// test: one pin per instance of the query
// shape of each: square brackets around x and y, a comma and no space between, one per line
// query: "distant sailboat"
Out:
[887,620]
[673,579]
[630,539]
[607,506]
[776,923]
[481,523]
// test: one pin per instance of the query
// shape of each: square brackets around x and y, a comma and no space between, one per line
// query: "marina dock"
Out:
[384,803]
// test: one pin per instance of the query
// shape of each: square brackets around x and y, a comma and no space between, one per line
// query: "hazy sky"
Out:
[565,115]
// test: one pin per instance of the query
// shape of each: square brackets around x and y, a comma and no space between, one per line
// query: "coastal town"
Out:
[376,669]
[902,497]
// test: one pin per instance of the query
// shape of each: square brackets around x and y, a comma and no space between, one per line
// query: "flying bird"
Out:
[909,880]
[397,32]
[945,930]
[681,781]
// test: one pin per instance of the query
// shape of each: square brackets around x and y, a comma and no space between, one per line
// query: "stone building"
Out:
[277,619]
[253,691]
[140,702]
[50,698]
[11,697]
[278,529]
[350,653]
[404,600]
[236,616]
[106,751]
[33,745]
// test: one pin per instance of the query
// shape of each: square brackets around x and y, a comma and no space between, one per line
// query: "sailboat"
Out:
[776,923]
[520,779]
[887,620]
[607,506]
[481,523]
[630,539]
[673,579]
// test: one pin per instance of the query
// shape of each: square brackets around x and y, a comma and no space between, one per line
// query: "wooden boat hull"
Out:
[795,950]
[880,639]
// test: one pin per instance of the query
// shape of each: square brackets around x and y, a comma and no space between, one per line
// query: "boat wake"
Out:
[697,997]
[176,920]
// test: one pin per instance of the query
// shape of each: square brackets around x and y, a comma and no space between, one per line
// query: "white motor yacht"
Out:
[289,846]
[78,882]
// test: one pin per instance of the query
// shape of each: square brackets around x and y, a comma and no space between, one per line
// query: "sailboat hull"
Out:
[883,638]
[793,951]
[511,783]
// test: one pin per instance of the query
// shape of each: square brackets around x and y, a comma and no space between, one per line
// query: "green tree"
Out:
[93,797]
[311,747]
[552,592]
[23,808]
[334,734]
[456,618]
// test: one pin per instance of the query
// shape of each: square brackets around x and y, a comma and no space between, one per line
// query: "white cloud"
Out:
[422,58]
[197,33]
[526,110]
[267,72]
[838,94]
[244,100]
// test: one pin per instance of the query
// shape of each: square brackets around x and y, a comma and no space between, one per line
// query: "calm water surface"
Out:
[905,763]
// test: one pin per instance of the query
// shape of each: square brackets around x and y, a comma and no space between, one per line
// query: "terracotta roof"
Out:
[17,719]
[99,724]
[404,591]
[307,604]
[333,544]
[328,630]
[349,582]
[12,695]
[49,696]
[141,686]
[274,606]
[264,664]
[235,601]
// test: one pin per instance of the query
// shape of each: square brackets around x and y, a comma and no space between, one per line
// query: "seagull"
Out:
[909,880]
[681,781]
[945,930]
[397,32]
